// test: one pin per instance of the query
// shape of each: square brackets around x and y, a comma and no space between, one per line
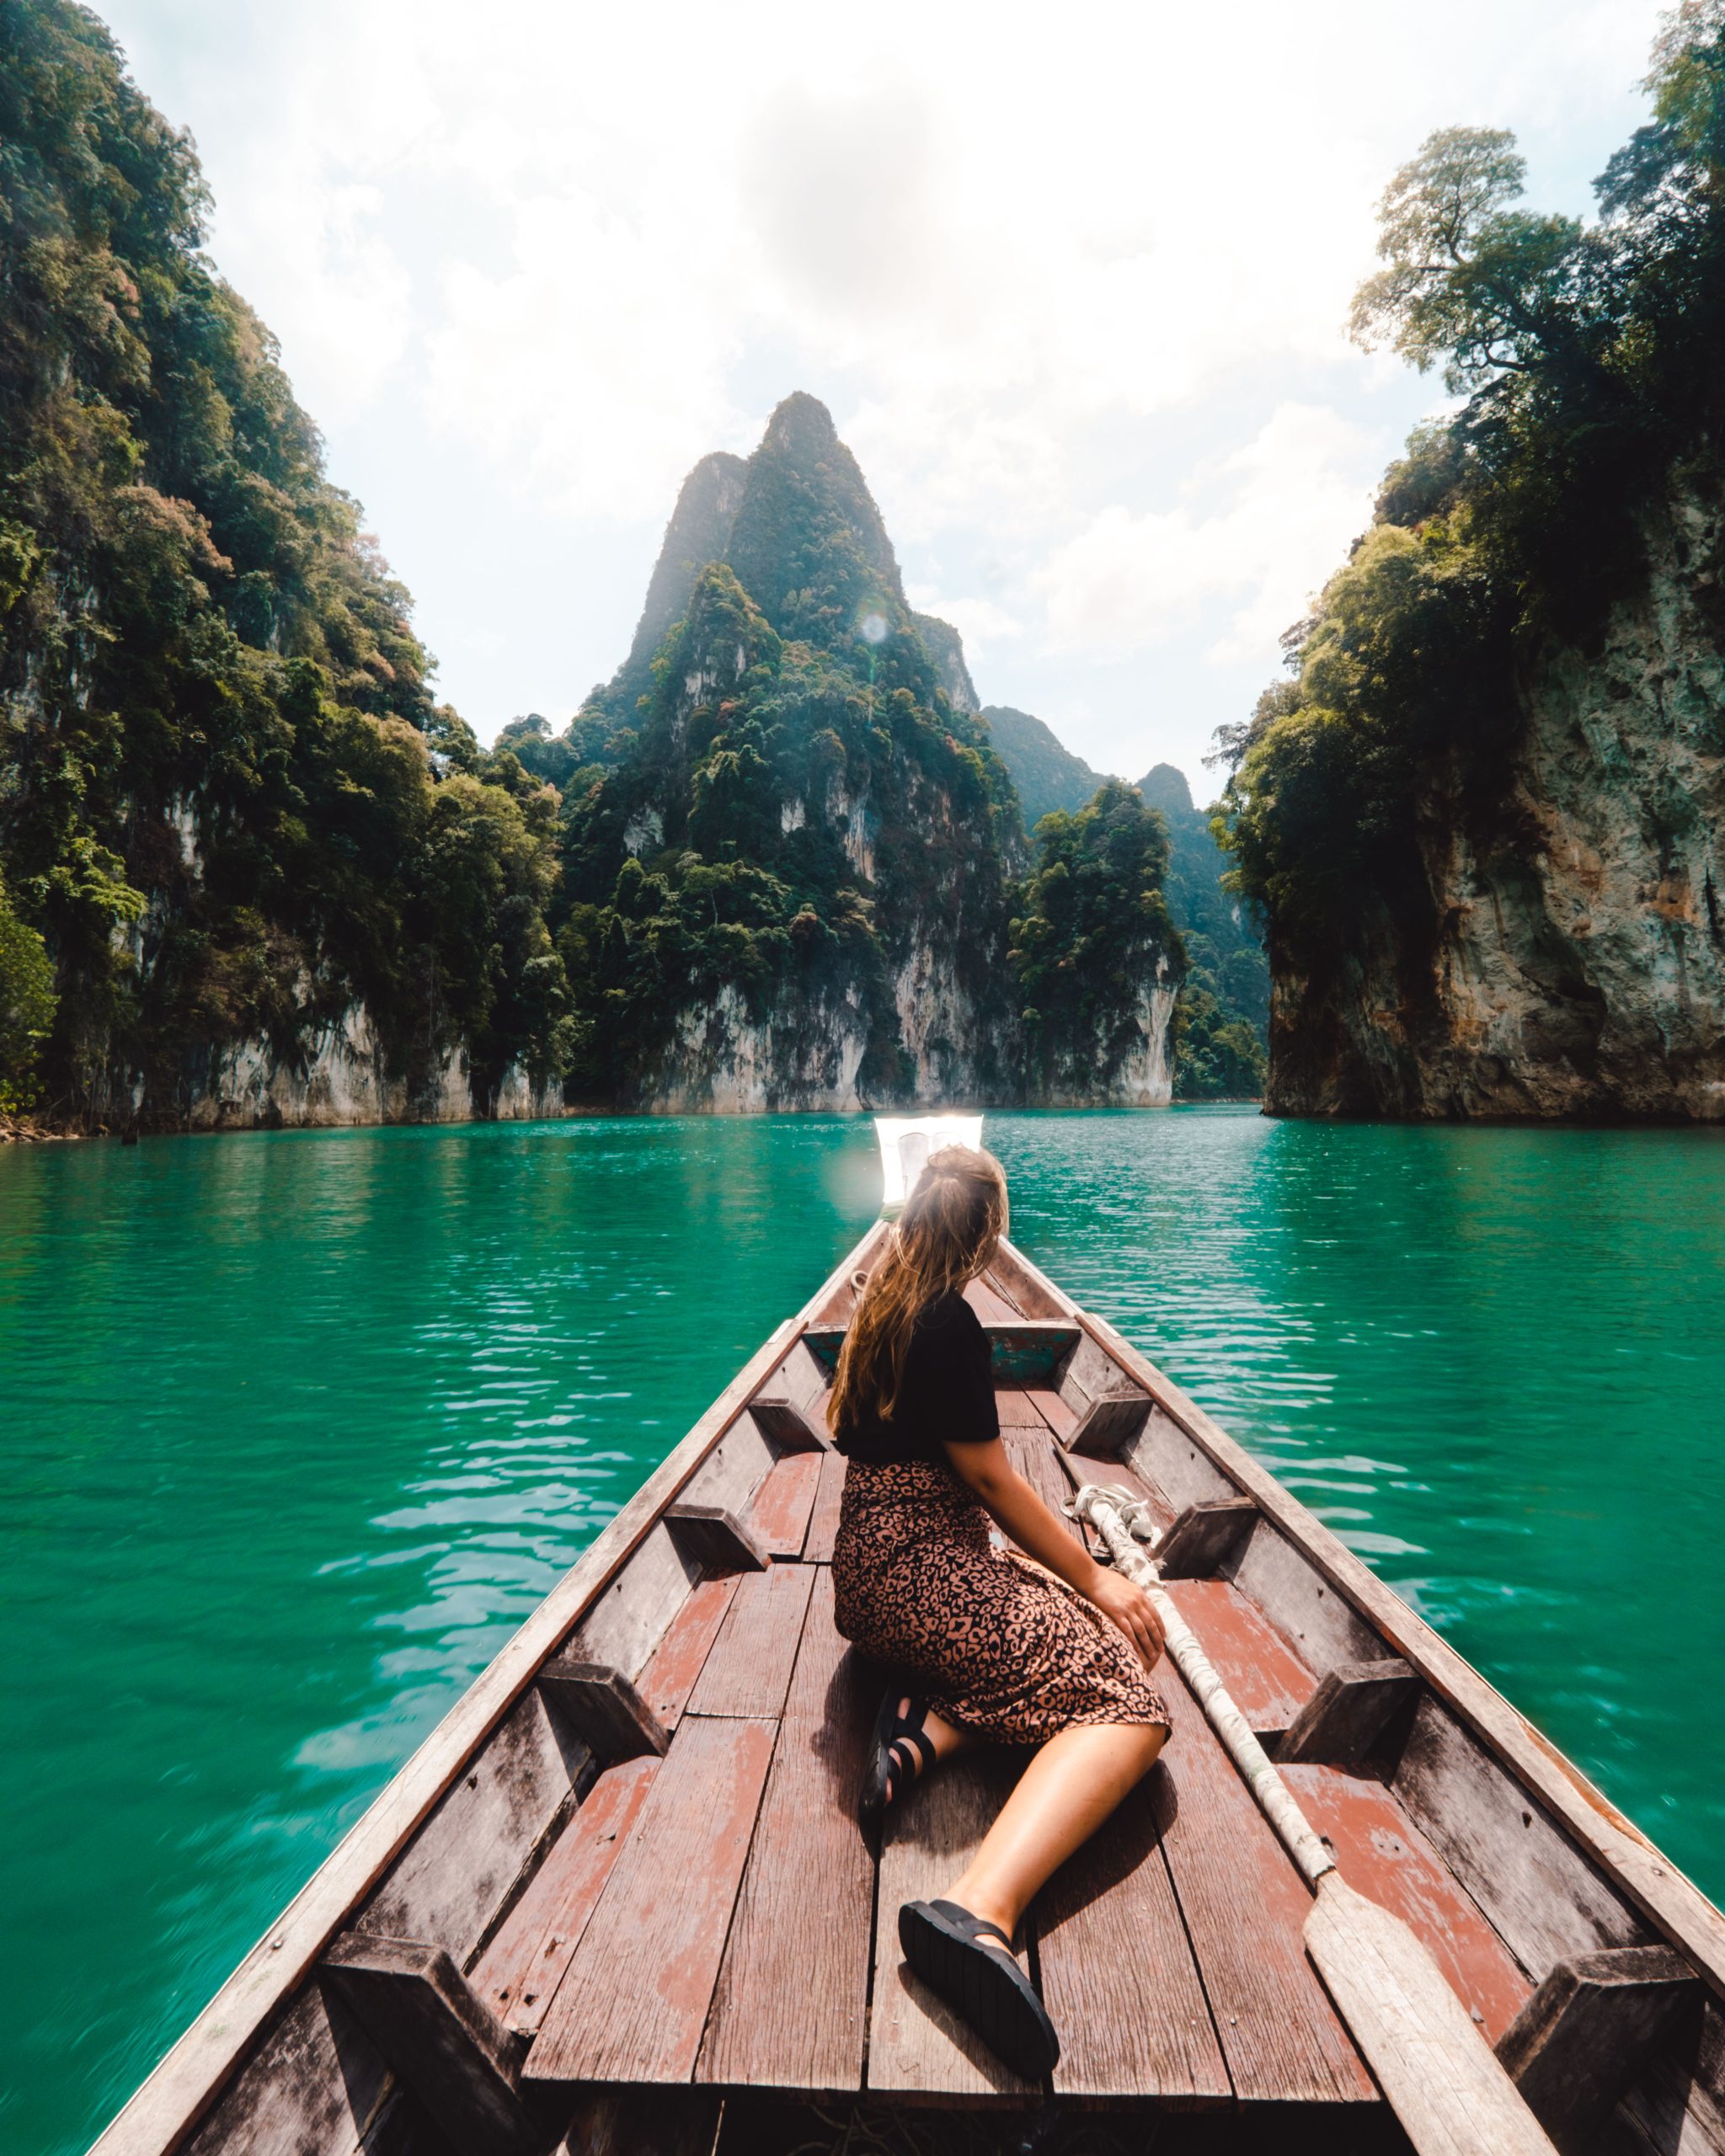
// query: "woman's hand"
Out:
[1129,1607]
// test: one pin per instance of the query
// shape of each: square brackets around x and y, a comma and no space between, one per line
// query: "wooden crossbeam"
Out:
[1108,1425]
[715,1538]
[1585,2035]
[1205,1537]
[785,1427]
[441,2041]
[604,1709]
[1345,1717]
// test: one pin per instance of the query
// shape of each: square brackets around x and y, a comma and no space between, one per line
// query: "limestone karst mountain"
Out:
[792,876]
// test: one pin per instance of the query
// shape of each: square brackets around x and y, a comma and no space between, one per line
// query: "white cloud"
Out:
[978,621]
[1258,531]
[1049,286]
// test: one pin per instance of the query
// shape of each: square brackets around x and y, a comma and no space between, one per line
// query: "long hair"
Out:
[947,1233]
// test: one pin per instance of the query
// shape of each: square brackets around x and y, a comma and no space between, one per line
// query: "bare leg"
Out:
[1070,1787]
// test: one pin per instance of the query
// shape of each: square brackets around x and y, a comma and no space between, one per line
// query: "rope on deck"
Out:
[1120,1519]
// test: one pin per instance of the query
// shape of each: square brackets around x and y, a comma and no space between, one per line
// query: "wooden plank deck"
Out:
[724,1922]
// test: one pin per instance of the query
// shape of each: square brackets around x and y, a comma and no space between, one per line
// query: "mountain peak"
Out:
[802,427]
[1164,787]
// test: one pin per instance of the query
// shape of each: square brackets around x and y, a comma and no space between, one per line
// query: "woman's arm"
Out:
[1015,1507]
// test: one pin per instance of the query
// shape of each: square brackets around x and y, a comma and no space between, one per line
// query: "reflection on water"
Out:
[295,1427]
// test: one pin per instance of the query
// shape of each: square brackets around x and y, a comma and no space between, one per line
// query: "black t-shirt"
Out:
[946,1397]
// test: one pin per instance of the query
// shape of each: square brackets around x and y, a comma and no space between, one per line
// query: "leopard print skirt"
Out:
[1000,1647]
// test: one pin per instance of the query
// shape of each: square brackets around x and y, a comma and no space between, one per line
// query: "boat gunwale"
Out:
[190,2077]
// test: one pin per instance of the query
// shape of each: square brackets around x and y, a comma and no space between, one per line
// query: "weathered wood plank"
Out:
[1301,1603]
[456,2060]
[1107,1427]
[787,1426]
[1676,2108]
[677,1660]
[1054,1411]
[1204,1537]
[991,1308]
[1174,1462]
[1269,1682]
[1245,1907]
[1381,1853]
[1032,1452]
[523,1965]
[824,1520]
[643,2122]
[734,1470]
[1588,2032]
[791,2006]
[1346,1716]
[634,2001]
[1117,1971]
[1012,1405]
[715,1538]
[749,1670]
[917,2048]
[626,1622]
[456,1875]
[164,2111]
[603,1709]
[778,1516]
[316,2087]
[1546,1901]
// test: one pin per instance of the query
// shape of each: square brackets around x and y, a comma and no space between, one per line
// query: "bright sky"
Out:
[1073,283]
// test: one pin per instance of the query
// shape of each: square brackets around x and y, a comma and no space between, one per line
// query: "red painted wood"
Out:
[524,1964]
[676,1661]
[1245,1907]
[791,2007]
[748,1669]
[1054,1411]
[634,2001]
[824,1520]
[1269,1682]
[1380,1852]
[778,1512]
[991,1308]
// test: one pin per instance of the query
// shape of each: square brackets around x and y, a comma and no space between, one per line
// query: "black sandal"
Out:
[899,1751]
[989,1992]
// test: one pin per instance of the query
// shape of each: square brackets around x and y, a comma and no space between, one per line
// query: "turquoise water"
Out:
[295,1427]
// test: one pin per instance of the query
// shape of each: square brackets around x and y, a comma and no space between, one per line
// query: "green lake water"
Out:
[295,1427]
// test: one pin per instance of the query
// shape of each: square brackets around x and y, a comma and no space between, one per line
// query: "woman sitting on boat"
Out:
[1046,1648]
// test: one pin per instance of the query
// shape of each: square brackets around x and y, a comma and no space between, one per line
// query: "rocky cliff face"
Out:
[1575,962]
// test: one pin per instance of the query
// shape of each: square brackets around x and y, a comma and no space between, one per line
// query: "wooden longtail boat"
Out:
[618,1902]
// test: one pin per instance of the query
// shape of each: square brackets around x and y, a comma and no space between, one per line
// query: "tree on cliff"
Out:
[1092,942]
[227,804]
[1589,354]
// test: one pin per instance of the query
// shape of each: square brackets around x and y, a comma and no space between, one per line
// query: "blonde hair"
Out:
[948,1232]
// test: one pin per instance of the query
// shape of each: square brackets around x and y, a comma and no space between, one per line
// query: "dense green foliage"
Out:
[1589,358]
[1221,1019]
[27,1007]
[1090,930]
[227,804]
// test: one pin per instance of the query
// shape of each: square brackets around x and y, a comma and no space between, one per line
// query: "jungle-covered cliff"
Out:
[249,870]
[1485,813]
